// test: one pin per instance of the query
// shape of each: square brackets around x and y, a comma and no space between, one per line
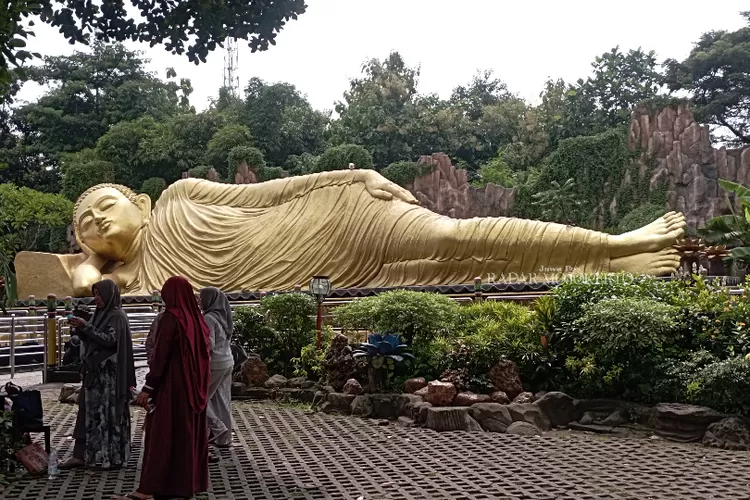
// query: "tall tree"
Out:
[282,121]
[89,93]
[717,74]
[195,27]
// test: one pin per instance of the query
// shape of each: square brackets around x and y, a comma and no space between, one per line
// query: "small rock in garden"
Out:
[422,392]
[505,377]
[587,418]
[493,417]
[238,389]
[296,382]
[353,386]
[338,403]
[307,384]
[540,395]
[523,429]
[414,384]
[524,397]
[419,412]
[405,402]
[616,418]
[383,422]
[500,397]
[440,393]
[447,418]
[253,371]
[469,398]
[528,412]
[732,433]
[275,382]
[682,422]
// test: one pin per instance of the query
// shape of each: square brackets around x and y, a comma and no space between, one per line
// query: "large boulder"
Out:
[732,433]
[469,398]
[414,384]
[529,412]
[505,377]
[440,393]
[456,418]
[253,371]
[559,408]
[493,417]
[275,382]
[682,422]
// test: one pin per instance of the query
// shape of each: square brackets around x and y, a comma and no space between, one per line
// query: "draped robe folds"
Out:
[274,235]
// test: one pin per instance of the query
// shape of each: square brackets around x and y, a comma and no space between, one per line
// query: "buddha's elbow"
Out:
[83,279]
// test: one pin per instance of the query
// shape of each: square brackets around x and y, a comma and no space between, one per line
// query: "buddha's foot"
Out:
[659,263]
[663,233]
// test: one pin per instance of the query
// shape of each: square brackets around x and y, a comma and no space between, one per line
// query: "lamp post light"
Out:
[320,287]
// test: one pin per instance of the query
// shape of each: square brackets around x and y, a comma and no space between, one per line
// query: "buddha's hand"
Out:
[383,189]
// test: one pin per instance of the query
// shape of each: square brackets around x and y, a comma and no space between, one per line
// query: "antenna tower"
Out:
[231,67]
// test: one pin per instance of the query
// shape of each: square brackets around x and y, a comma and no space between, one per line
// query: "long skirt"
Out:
[219,411]
[102,430]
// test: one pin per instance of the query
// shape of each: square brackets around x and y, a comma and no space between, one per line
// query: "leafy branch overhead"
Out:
[192,27]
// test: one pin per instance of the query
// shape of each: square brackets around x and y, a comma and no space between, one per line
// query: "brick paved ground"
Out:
[286,453]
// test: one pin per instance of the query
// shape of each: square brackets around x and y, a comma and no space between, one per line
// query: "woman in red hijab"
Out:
[175,462]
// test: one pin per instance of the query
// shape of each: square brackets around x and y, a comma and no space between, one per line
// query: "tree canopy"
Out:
[192,27]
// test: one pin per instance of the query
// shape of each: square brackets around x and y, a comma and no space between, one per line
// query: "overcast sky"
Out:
[524,42]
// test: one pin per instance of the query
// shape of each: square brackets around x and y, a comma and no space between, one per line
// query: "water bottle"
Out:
[53,468]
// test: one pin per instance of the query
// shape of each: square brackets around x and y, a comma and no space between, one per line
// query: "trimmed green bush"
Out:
[339,158]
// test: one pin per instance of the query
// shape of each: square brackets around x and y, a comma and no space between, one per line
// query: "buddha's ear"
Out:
[143,202]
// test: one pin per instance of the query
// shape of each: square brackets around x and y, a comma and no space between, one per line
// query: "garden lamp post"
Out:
[320,287]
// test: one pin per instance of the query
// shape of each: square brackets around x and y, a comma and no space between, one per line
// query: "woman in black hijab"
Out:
[102,430]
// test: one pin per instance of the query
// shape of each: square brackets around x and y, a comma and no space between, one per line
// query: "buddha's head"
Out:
[108,219]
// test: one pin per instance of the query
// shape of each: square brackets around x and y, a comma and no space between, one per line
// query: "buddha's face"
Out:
[108,222]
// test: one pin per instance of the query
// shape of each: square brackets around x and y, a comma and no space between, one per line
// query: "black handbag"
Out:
[27,406]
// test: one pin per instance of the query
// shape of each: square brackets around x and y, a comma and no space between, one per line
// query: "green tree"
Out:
[282,121]
[496,171]
[195,27]
[732,230]
[559,203]
[717,74]
[250,157]
[380,110]
[339,158]
[226,138]
[404,172]
[79,176]
[153,187]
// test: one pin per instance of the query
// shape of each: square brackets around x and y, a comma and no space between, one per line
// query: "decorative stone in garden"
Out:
[454,418]
[338,403]
[440,393]
[616,418]
[493,417]
[682,422]
[338,362]
[353,386]
[362,406]
[414,384]
[421,392]
[238,389]
[419,412]
[559,408]
[405,403]
[469,398]
[499,397]
[523,429]
[296,382]
[254,371]
[505,377]
[529,412]
[385,405]
[732,433]
[587,418]
[275,382]
[524,397]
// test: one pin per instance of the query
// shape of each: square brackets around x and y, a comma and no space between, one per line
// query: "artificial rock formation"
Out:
[682,154]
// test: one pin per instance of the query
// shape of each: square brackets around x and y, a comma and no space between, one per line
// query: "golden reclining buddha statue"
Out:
[354,226]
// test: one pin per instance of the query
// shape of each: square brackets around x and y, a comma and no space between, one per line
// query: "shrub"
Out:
[339,158]
[310,362]
[404,172]
[617,343]
[269,173]
[243,154]
[78,177]
[640,216]
[722,385]
[224,141]
[153,187]
[417,316]
[277,329]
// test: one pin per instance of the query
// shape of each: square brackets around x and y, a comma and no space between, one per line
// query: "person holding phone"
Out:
[102,429]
